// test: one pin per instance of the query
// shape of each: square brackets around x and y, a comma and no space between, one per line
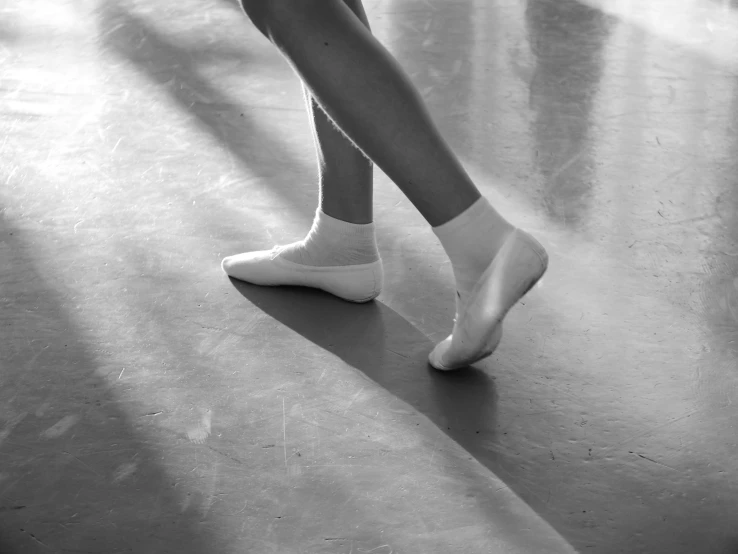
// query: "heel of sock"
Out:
[535,246]
[519,265]
[359,283]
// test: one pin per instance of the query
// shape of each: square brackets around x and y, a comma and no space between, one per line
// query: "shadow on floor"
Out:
[77,473]
[389,350]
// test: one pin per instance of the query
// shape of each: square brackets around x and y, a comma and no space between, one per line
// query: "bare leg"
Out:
[346,175]
[365,91]
[361,88]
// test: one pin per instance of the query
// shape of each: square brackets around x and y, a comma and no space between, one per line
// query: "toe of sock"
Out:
[227,265]
[244,266]
[435,358]
[249,266]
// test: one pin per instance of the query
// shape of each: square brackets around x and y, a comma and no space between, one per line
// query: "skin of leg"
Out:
[366,93]
[345,175]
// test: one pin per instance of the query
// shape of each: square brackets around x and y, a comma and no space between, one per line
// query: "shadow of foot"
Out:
[390,351]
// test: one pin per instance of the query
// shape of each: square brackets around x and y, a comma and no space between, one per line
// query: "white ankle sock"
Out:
[471,241]
[332,242]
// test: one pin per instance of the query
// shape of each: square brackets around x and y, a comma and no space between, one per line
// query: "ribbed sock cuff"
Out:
[328,227]
[471,214]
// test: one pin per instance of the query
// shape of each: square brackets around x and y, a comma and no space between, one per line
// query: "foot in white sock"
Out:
[494,265]
[338,257]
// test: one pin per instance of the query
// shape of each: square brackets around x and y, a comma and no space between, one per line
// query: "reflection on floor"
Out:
[149,404]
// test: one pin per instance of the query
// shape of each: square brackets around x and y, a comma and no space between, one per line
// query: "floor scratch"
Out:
[654,461]
[284,434]
[352,400]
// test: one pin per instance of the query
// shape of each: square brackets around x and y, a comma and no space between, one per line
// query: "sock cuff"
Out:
[330,226]
[471,214]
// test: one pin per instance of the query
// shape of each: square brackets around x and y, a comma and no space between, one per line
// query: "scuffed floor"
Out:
[148,404]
